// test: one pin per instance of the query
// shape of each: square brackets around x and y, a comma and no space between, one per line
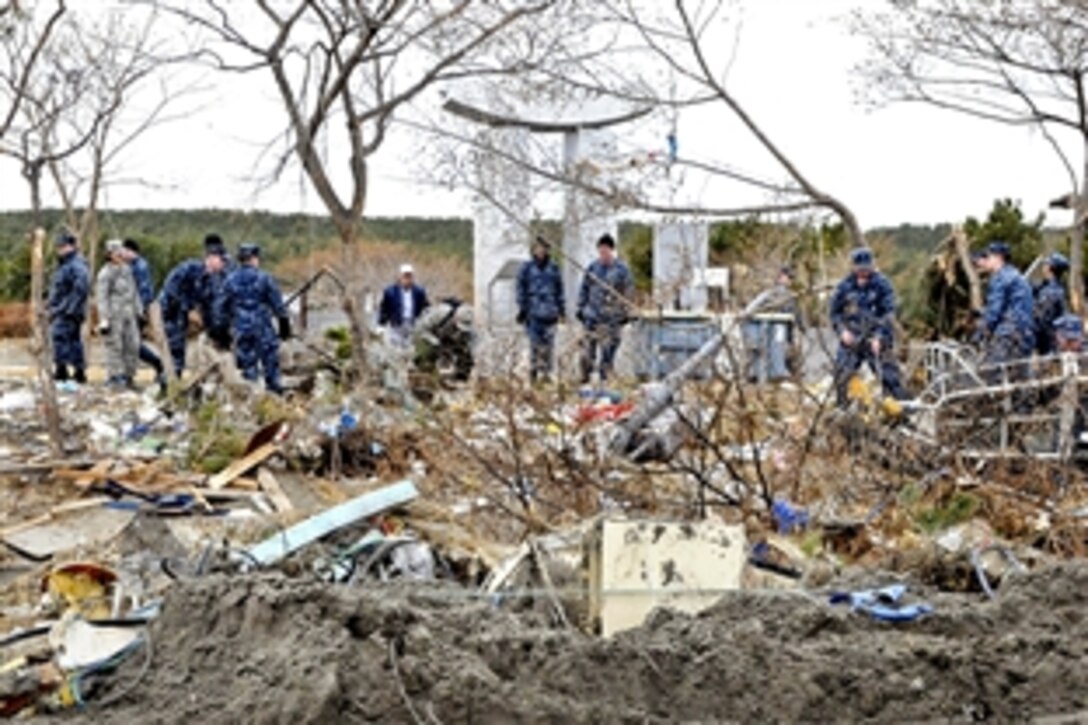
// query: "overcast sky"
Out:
[793,71]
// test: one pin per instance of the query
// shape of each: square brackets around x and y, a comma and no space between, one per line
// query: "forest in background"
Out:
[170,236]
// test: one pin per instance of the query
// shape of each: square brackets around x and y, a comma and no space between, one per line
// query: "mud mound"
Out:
[264,649]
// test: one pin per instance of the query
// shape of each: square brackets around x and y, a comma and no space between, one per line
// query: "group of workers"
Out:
[602,309]
[240,307]
[238,304]
[1015,322]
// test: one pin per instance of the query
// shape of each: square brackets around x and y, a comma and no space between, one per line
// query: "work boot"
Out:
[80,376]
[61,373]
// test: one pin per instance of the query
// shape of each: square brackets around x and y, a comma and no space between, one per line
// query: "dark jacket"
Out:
[1009,312]
[1049,306]
[866,310]
[249,300]
[391,310]
[69,287]
[603,293]
[540,292]
[141,272]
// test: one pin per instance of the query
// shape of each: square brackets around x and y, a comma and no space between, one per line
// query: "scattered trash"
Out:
[884,604]
[788,518]
[282,544]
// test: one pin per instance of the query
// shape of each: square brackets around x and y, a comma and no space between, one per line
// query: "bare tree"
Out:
[663,58]
[348,67]
[129,92]
[1012,63]
[24,41]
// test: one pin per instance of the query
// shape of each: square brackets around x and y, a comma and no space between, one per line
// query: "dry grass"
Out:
[15,320]
[371,265]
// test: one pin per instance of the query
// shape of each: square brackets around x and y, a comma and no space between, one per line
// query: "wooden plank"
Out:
[274,491]
[87,478]
[295,537]
[246,483]
[241,466]
[53,513]
[11,469]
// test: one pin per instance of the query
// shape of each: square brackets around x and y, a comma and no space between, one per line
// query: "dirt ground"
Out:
[272,649]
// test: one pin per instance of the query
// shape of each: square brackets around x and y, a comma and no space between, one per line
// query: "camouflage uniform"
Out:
[249,301]
[141,272]
[540,306]
[186,288]
[602,309]
[119,306]
[1007,325]
[68,290]
[1049,306]
[867,311]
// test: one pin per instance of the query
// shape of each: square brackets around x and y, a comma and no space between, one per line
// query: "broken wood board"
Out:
[12,469]
[305,532]
[87,478]
[246,483]
[87,526]
[272,488]
[139,478]
[242,466]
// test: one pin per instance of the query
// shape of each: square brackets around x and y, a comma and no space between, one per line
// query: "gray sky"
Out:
[793,71]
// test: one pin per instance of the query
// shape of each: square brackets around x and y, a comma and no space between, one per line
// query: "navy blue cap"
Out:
[862,257]
[64,239]
[1057,262]
[1000,248]
[1070,327]
[248,251]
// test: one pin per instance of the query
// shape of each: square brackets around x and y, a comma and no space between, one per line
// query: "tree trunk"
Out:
[348,230]
[1076,244]
[42,345]
[963,251]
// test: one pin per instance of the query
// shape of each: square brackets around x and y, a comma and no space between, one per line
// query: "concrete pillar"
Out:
[681,252]
[503,210]
[586,217]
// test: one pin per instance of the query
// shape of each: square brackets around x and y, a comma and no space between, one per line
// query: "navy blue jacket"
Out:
[250,299]
[865,310]
[1009,311]
[391,310]
[141,271]
[186,288]
[69,287]
[540,292]
[599,299]
[1049,306]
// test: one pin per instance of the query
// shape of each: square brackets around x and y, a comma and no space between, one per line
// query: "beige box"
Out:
[637,566]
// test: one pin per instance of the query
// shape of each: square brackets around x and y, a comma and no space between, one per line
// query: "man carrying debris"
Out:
[602,308]
[119,313]
[1006,327]
[1049,303]
[862,313]
[68,291]
[190,286]
[251,298]
[141,272]
[541,305]
[402,304]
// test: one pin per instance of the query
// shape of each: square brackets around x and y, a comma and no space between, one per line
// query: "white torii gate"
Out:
[504,201]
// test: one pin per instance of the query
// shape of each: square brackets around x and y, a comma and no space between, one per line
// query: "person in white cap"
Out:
[402,304]
[119,312]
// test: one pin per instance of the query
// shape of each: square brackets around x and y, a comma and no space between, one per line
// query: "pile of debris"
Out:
[506,553]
